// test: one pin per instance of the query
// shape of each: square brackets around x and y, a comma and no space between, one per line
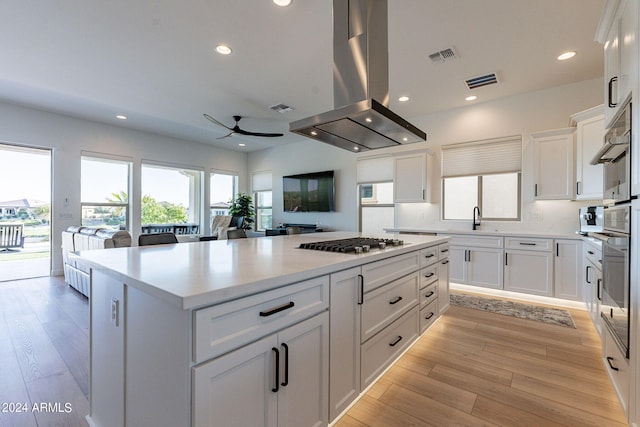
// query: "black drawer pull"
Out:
[277,352]
[429,294]
[277,309]
[395,301]
[430,256]
[609,359]
[429,274]
[429,316]
[590,252]
[444,250]
[527,244]
[393,344]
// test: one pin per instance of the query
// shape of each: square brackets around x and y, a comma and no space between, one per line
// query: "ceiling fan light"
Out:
[223,49]
[121,117]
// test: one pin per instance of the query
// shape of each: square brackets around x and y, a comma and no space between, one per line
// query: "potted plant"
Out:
[242,206]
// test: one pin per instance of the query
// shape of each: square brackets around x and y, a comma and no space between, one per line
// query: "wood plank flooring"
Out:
[471,368]
[474,368]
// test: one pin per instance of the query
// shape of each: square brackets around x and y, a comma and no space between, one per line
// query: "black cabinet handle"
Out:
[277,387]
[586,273]
[430,256]
[361,289]
[444,250]
[578,188]
[557,249]
[429,275]
[506,259]
[395,301]
[429,316]
[535,190]
[429,294]
[609,359]
[393,344]
[277,309]
[286,365]
[590,252]
[528,244]
[611,81]
[445,262]
[598,293]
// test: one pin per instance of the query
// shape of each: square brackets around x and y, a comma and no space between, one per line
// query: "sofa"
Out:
[77,238]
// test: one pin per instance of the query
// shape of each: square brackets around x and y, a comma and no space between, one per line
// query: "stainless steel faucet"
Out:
[476,219]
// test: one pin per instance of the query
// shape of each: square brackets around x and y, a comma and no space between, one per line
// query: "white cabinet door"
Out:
[554,165]
[591,292]
[484,268]
[590,137]
[304,374]
[567,269]
[237,389]
[611,73]
[344,357]
[529,272]
[443,285]
[410,179]
[457,265]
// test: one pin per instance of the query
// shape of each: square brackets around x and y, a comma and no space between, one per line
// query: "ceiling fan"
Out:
[236,128]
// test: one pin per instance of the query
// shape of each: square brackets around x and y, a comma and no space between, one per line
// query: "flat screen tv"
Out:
[309,192]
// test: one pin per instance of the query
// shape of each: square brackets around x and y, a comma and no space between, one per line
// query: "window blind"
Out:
[502,155]
[261,181]
[375,169]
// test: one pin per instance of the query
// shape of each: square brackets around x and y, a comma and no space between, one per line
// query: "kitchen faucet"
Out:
[476,219]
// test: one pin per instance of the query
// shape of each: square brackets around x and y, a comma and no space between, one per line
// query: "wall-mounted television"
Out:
[309,192]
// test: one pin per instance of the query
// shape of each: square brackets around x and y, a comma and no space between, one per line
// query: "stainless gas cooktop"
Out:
[352,245]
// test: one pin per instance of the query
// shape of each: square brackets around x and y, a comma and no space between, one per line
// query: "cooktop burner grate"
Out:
[352,245]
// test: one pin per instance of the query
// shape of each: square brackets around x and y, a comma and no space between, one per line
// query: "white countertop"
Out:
[204,273]
[572,236]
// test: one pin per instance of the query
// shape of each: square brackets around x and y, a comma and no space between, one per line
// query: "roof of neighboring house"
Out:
[23,203]
[219,205]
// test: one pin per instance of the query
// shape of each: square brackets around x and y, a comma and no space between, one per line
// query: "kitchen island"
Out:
[244,332]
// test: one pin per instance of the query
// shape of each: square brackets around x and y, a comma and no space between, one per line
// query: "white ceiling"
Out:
[154,60]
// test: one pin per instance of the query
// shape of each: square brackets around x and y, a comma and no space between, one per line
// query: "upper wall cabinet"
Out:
[617,30]
[410,178]
[554,164]
[589,139]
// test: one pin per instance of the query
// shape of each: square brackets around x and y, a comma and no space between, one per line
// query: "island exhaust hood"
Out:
[361,120]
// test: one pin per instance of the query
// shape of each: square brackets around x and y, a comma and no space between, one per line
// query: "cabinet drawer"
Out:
[428,275]
[384,271]
[443,251]
[387,303]
[385,347]
[428,294]
[525,244]
[428,315]
[479,241]
[428,256]
[227,326]
[613,358]
[593,252]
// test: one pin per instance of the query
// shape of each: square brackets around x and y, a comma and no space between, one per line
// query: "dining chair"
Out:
[236,234]
[156,239]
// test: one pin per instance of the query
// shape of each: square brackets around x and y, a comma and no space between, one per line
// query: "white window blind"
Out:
[503,155]
[375,169]
[261,181]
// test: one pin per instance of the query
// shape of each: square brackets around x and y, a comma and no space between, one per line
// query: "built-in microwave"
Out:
[615,156]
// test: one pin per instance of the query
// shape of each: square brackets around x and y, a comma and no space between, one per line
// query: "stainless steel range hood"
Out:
[361,120]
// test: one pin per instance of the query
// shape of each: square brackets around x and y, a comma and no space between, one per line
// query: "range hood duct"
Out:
[360,119]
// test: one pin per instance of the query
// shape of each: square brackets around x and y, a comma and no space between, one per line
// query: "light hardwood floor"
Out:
[474,368]
[471,368]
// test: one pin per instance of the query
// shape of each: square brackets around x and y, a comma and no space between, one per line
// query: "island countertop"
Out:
[197,274]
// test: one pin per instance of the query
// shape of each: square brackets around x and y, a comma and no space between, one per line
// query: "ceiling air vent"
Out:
[443,56]
[479,81]
[281,108]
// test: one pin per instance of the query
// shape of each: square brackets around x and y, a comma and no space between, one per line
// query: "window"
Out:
[484,174]
[261,184]
[377,210]
[223,188]
[171,195]
[104,192]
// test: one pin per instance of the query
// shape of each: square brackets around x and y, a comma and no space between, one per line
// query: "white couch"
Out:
[77,238]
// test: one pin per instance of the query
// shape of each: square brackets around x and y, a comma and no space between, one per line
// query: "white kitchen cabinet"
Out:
[477,266]
[589,138]
[344,357]
[592,286]
[410,178]
[530,272]
[443,281]
[554,171]
[618,369]
[280,380]
[567,283]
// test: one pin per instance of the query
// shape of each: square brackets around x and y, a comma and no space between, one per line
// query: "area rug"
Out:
[554,316]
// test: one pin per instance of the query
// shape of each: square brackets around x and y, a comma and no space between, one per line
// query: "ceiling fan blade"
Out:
[226,136]
[212,120]
[262,134]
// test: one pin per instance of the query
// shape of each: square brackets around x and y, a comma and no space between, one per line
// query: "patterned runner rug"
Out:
[554,316]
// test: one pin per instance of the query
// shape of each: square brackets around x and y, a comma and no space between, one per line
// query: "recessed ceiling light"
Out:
[471,98]
[368,120]
[405,139]
[223,49]
[121,117]
[241,144]
[403,99]
[282,2]
[356,148]
[566,55]
[314,133]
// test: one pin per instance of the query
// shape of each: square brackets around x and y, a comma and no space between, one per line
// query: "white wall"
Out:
[518,115]
[68,137]
[309,156]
